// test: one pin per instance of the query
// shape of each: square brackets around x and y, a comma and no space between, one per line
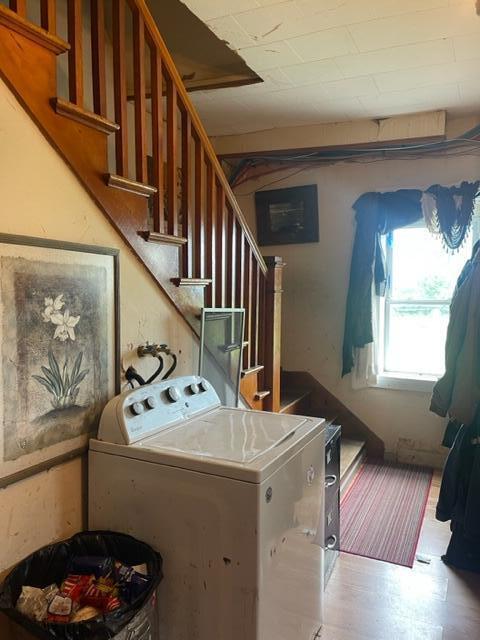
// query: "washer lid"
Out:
[234,435]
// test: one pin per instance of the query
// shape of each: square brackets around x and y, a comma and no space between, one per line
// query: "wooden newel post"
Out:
[273,331]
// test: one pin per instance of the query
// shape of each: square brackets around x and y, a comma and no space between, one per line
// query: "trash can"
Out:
[136,620]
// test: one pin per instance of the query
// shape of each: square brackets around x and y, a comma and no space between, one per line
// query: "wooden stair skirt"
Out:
[172,205]
[302,387]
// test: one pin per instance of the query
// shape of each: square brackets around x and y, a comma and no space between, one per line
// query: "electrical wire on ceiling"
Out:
[260,166]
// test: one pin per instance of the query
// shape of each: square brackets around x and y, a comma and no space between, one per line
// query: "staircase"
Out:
[130,133]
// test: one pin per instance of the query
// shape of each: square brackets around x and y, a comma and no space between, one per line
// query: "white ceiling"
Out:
[334,60]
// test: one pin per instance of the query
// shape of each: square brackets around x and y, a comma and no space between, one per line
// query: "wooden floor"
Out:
[372,600]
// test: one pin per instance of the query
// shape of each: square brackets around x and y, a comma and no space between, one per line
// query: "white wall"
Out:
[41,197]
[315,290]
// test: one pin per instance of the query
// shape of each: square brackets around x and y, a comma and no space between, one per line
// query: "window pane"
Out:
[421,268]
[416,338]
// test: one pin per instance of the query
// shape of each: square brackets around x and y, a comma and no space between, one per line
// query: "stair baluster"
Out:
[157,138]
[186,204]
[75,55]
[221,273]
[199,236]
[48,15]
[211,237]
[120,88]
[139,96]
[172,154]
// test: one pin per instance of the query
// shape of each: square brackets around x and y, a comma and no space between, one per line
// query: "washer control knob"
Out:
[137,408]
[204,385]
[151,402]
[173,394]
[194,388]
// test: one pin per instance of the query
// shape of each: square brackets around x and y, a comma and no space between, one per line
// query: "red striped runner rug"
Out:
[381,514]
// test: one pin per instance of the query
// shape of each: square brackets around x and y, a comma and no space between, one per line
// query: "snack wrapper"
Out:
[84,614]
[134,587]
[88,565]
[50,592]
[112,604]
[132,580]
[33,604]
[98,593]
[74,586]
[60,610]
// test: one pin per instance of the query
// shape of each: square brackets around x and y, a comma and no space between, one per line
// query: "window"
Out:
[413,316]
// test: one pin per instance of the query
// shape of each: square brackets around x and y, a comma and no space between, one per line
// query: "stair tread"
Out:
[162,238]
[260,395]
[139,188]
[288,397]
[251,370]
[85,117]
[191,282]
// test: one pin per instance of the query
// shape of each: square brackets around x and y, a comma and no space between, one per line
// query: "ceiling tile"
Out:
[276,54]
[470,94]
[287,100]
[338,110]
[466,47]
[419,26]
[288,20]
[344,12]
[439,74]
[273,80]
[427,97]
[323,44]
[273,23]
[228,29]
[350,88]
[406,57]
[209,9]
[336,13]
[312,72]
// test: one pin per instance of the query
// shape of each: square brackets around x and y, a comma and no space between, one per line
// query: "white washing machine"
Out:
[232,499]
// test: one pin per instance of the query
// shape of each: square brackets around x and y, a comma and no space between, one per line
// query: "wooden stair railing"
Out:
[173,189]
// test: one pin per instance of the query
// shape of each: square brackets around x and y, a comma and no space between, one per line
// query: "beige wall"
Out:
[41,197]
[316,281]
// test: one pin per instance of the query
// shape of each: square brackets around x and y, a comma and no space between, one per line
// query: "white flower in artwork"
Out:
[65,325]
[52,308]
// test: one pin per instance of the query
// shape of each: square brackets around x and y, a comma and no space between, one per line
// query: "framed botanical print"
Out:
[287,216]
[59,349]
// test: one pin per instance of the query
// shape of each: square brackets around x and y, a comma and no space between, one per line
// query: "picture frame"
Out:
[287,216]
[59,349]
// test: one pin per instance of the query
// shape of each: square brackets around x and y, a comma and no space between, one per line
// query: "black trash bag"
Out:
[50,564]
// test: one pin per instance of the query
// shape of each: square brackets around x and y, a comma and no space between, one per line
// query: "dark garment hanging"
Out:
[460,497]
[460,491]
[457,393]
[451,432]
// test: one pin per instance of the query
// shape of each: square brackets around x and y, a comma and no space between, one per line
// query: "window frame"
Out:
[410,381]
